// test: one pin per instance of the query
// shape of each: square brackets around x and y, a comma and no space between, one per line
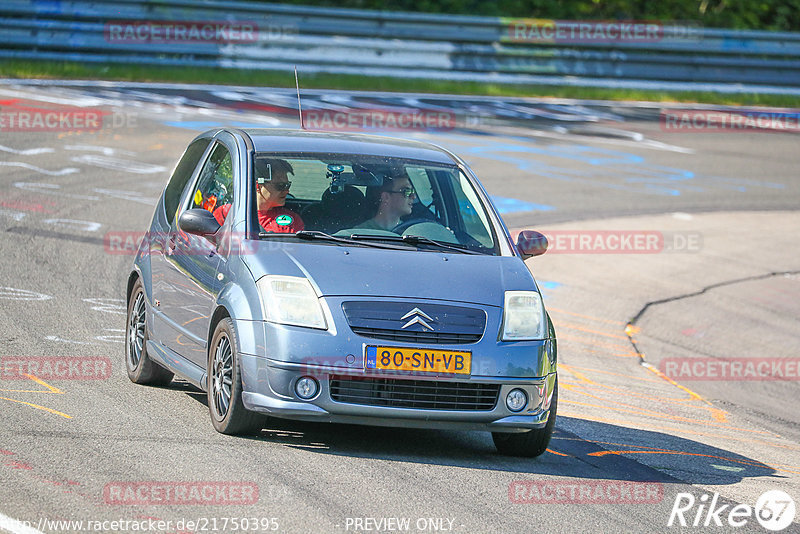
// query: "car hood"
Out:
[365,271]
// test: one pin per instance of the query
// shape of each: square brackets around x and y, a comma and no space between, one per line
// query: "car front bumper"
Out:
[273,394]
[270,370]
[373,416]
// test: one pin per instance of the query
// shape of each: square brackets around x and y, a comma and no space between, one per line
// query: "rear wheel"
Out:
[531,443]
[141,369]
[228,414]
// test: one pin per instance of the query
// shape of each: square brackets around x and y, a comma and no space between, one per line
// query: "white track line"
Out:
[27,151]
[9,524]
[60,172]
[78,101]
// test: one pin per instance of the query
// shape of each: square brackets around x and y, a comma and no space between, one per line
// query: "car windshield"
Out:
[366,198]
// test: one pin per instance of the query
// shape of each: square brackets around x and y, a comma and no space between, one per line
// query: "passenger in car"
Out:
[271,197]
[394,199]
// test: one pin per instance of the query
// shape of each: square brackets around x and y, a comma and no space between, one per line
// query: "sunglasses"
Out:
[406,192]
[280,186]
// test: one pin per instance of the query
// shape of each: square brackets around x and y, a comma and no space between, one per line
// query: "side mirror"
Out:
[531,243]
[199,222]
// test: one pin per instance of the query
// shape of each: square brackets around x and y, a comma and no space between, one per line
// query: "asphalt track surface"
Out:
[725,285]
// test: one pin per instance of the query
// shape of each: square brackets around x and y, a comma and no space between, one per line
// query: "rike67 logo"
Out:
[774,510]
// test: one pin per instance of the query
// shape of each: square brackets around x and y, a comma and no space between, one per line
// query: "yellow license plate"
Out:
[420,360]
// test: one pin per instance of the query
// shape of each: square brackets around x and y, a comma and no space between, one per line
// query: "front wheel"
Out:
[141,369]
[531,443]
[228,414]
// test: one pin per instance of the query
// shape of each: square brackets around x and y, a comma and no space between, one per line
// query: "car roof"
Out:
[299,141]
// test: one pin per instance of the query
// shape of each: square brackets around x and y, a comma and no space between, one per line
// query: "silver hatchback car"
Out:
[342,278]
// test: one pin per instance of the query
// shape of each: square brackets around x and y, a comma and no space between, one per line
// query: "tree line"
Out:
[737,14]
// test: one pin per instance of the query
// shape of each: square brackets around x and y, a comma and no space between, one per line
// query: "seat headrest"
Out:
[350,195]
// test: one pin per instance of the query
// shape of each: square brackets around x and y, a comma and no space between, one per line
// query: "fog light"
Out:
[306,388]
[516,400]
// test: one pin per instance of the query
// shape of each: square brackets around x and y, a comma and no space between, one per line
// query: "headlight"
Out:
[523,316]
[290,300]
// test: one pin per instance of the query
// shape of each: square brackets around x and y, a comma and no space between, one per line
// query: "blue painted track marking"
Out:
[513,205]
[544,284]
[633,172]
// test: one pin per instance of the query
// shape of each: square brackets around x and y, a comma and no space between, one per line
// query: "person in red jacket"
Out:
[270,197]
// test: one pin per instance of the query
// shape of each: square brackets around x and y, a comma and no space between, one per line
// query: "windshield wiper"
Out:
[456,247]
[309,235]
[415,240]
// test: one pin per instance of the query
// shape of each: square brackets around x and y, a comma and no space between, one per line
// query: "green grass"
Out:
[62,70]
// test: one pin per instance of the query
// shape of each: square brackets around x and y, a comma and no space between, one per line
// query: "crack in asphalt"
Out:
[647,306]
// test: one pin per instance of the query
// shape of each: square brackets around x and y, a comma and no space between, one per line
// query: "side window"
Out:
[183,171]
[421,182]
[428,193]
[475,218]
[215,185]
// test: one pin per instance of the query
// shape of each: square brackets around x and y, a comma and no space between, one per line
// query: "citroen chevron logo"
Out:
[419,318]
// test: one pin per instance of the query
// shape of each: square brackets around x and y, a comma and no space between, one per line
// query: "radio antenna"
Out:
[299,109]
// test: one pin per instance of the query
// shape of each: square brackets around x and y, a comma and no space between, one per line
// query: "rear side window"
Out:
[183,171]
[215,185]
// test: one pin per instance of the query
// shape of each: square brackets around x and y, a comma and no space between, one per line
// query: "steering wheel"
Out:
[400,228]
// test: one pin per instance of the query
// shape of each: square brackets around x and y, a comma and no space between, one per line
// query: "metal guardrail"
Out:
[396,44]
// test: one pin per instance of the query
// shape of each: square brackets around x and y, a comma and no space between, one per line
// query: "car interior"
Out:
[331,195]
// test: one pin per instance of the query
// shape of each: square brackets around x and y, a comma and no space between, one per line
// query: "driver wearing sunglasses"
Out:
[271,197]
[394,200]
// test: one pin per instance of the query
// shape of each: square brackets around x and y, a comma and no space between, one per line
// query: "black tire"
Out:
[141,369]
[228,414]
[531,443]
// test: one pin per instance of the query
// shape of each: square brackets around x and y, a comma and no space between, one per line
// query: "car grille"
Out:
[419,394]
[390,320]
[417,337]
